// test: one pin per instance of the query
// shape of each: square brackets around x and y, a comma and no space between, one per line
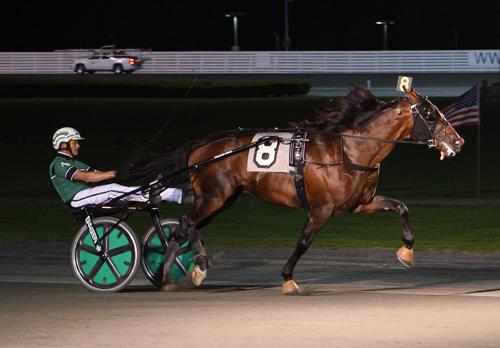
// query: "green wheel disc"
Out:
[153,254]
[113,269]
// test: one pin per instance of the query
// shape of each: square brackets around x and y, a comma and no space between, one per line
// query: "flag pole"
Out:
[478,146]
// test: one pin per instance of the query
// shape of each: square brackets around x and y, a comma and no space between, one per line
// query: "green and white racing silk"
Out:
[62,171]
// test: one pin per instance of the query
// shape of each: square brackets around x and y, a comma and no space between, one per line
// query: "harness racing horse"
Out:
[346,143]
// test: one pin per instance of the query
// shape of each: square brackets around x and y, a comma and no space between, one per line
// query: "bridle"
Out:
[425,122]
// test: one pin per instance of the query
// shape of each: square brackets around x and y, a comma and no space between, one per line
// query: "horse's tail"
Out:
[148,165]
[177,159]
[143,166]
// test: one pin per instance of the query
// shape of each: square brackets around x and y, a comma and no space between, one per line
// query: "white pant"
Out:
[103,193]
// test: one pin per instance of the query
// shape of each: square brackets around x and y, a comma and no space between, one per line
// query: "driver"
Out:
[72,179]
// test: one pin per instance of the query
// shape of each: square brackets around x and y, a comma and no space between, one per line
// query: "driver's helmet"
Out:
[64,135]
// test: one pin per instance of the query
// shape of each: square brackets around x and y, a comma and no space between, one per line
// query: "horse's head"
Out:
[431,126]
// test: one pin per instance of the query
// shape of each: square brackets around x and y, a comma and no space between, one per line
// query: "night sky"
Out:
[200,25]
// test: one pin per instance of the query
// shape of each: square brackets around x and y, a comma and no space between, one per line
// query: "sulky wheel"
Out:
[115,266]
[153,253]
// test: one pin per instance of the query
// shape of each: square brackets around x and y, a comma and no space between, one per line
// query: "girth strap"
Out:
[297,154]
[361,168]
[298,179]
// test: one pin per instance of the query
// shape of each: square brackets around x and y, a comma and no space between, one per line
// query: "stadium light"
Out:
[235,16]
[386,25]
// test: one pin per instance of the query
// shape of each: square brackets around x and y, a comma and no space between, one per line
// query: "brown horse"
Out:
[345,144]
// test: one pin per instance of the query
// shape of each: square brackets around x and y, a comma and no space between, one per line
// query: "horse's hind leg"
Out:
[316,219]
[192,233]
[204,209]
[381,203]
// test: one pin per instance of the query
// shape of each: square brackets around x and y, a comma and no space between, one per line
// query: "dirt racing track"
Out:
[358,298]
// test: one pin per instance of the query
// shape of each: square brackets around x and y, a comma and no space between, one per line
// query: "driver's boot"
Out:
[188,196]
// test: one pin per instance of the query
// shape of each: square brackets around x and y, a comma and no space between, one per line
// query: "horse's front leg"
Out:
[381,203]
[316,219]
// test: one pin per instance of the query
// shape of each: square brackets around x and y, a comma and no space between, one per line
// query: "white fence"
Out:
[273,62]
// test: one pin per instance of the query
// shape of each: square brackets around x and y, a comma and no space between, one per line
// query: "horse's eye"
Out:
[431,120]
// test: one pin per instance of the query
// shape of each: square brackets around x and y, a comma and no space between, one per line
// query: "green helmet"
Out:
[64,135]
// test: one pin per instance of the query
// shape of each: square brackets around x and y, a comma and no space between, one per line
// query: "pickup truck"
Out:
[107,58]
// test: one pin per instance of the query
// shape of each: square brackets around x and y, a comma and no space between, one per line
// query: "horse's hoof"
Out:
[169,287]
[405,256]
[186,284]
[290,288]
[198,275]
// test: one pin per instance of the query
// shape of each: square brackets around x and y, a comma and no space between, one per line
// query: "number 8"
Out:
[265,155]
[404,85]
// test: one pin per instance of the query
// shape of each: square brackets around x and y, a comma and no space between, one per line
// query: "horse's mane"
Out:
[355,110]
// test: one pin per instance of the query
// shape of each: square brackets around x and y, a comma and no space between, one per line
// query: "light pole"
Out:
[386,25]
[235,16]
[286,38]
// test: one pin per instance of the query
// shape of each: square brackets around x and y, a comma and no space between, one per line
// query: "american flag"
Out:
[464,111]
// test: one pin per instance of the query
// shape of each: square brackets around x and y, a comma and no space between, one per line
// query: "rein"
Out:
[360,137]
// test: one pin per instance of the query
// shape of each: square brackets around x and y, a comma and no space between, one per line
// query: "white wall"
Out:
[273,62]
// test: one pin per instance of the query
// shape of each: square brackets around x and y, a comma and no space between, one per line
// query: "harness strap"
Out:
[361,168]
[346,164]
[300,188]
[296,159]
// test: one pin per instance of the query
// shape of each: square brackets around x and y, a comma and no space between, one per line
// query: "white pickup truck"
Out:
[108,58]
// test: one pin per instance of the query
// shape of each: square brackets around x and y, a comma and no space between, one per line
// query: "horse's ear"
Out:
[412,95]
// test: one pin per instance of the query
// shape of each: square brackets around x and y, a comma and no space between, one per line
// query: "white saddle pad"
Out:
[270,157]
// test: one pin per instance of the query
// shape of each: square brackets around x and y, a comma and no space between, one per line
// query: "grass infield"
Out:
[253,224]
